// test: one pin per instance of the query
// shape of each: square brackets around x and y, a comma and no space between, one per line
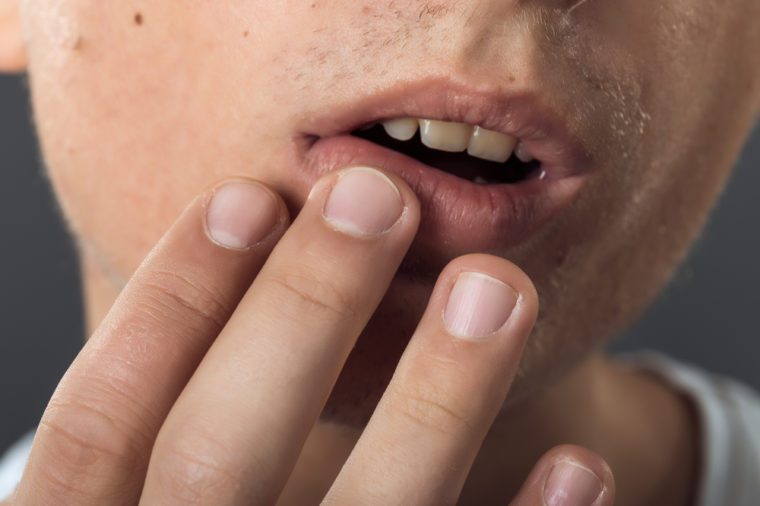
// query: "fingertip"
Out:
[240,213]
[411,201]
[569,474]
[580,474]
[361,218]
[501,271]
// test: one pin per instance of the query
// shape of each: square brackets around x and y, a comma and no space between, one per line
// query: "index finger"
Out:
[95,437]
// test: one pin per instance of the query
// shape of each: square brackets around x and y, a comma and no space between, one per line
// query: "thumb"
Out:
[568,476]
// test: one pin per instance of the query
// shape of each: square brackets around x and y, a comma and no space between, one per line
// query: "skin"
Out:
[137,114]
[124,427]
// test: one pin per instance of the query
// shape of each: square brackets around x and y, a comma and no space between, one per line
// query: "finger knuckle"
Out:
[431,407]
[306,293]
[196,468]
[81,439]
[174,296]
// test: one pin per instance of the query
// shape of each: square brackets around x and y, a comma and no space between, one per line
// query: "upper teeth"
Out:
[402,129]
[454,137]
[522,153]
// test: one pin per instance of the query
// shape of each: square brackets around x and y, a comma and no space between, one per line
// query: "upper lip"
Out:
[521,113]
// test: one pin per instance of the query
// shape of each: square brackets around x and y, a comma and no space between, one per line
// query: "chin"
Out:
[373,360]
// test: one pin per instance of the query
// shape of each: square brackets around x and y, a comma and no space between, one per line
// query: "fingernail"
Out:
[363,202]
[478,305]
[569,484]
[241,214]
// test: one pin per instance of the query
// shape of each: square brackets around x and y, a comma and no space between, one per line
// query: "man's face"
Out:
[139,106]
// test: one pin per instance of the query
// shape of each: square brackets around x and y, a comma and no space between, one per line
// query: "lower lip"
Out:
[458,216]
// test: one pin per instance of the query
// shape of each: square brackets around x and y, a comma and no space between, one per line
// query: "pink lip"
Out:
[458,216]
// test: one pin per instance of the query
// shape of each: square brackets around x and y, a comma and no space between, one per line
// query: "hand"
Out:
[205,378]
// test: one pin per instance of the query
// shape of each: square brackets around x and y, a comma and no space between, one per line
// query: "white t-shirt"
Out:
[730,433]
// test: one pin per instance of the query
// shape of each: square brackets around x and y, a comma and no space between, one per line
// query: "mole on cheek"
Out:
[138,19]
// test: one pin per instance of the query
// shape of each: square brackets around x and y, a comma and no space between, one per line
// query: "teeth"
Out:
[458,137]
[445,136]
[522,153]
[490,145]
[401,129]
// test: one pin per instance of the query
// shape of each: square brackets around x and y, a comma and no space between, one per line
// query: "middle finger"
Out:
[237,430]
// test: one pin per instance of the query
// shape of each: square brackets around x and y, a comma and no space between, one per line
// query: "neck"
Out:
[645,431]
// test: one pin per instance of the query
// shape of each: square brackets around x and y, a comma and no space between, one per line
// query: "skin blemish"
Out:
[138,19]
[245,33]
[561,255]
[65,34]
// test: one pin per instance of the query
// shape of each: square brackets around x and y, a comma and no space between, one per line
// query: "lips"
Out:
[458,215]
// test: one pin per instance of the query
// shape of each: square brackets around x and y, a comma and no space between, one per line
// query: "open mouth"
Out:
[473,153]
[490,167]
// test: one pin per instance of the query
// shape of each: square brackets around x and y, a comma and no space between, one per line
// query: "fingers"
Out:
[447,389]
[236,431]
[568,475]
[93,443]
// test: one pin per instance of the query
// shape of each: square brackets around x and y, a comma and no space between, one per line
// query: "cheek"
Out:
[600,266]
[138,110]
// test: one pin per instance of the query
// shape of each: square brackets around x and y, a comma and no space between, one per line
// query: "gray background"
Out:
[707,316]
